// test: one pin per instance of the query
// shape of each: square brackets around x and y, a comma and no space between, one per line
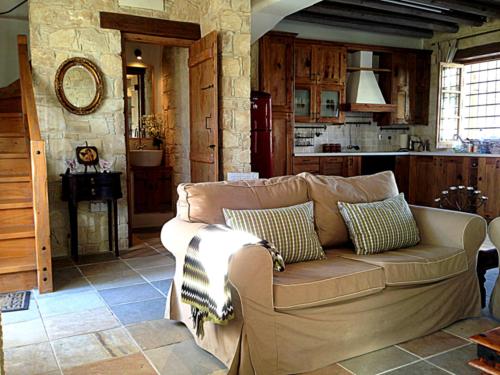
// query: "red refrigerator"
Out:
[261,133]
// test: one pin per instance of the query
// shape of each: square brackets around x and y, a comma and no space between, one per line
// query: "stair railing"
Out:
[38,170]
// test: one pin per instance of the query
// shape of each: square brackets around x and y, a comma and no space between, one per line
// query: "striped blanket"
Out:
[205,284]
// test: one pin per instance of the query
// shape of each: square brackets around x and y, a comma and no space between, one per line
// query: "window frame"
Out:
[461,67]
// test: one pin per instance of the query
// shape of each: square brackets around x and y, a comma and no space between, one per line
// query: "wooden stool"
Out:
[488,351]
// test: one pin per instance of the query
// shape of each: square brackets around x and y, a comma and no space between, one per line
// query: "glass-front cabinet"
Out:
[304,103]
[319,103]
[329,101]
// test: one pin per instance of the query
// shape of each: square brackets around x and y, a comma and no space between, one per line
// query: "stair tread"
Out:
[17,264]
[15,178]
[15,203]
[14,155]
[11,114]
[17,231]
[11,135]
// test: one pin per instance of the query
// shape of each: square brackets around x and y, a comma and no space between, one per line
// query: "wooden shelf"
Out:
[366,107]
[375,70]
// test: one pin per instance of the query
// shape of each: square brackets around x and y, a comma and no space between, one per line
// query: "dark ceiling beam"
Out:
[471,7]
[357,13]
[472,20]
[304,16]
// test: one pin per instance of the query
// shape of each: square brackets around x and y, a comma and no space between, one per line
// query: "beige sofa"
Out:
[494,234]
[317,313]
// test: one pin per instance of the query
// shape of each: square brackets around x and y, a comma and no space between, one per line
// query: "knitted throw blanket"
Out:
[205,285]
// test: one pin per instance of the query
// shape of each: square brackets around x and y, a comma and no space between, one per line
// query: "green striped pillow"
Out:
[289,229]
[379,226]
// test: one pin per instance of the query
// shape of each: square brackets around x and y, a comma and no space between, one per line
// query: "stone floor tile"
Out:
[140,311]
[334,369]
[78,350]
[378,361]
[184,358]
[156,333]
[435,343]
[149,261]
[128,294]
[22,315]
[137,251]
[78,323]
[163,285]
[115,279]
[470,327]
[103,268]
[135,364]
[71,302]
[456,360]
[62,262]
[24,333]
[31,359]
[67,280]
[158,273]
[96,258]
[419,368]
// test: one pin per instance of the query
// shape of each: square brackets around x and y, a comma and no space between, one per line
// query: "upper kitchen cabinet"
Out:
[407,87]
[319,63]
[276,69]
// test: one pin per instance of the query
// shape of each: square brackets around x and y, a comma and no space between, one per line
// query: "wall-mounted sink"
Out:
[145,158]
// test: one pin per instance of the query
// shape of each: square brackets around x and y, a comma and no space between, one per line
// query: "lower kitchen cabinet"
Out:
[488,182]
[345,166]
[306,164]
[152,189]
[402,174]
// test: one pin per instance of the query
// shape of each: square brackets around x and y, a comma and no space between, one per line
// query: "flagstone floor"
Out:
[106,317]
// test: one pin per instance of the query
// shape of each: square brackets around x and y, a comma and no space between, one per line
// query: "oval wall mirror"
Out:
[79,85]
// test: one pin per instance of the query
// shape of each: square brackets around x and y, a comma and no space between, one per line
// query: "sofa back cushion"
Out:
[327,191]
[203,202]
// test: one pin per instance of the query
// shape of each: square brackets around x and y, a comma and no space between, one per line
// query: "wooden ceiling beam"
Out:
[309,17]
[472,20]
[471,7]
[353,12]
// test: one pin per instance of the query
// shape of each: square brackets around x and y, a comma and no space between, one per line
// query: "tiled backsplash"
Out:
[367,137]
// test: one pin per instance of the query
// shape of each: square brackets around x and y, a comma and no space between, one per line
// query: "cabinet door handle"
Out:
[92,191]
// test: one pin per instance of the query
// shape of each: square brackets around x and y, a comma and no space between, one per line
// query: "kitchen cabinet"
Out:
[332,165]
[152,189]
[449,171]
[319,103]
[320,63]
[402,174]
[282,142]
[423,189]
[488,182]
[276,55]
[344,166]
[306,164]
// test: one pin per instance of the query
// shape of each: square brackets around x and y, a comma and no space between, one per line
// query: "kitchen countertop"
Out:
[397,153]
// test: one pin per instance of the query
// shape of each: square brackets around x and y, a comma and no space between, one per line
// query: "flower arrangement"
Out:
[154,127]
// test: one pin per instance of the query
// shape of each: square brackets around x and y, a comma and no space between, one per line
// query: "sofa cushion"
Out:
[203,202]
[289,229]
[419,264]
[380,226]
[326,191]
[323,282]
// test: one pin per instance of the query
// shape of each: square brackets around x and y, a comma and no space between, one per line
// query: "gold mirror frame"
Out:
[96,75]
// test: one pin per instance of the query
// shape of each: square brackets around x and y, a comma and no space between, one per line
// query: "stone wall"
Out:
[60,29]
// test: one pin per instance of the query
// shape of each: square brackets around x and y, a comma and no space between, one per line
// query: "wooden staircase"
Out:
[25,253]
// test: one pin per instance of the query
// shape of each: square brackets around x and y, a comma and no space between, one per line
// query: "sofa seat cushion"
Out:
[322,282]
[421,264]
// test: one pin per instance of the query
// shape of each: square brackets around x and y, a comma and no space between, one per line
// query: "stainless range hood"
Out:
[363,91]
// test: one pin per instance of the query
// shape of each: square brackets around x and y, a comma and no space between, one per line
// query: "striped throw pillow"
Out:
[379,226]
[289,229]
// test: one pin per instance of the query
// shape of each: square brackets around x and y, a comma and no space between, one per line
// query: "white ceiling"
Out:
[19,13]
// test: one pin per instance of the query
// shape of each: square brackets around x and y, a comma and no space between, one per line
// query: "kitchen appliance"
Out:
[362,86]
[261,134]
[403,142]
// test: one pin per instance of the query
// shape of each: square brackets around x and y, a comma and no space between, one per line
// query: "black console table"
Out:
[77,187]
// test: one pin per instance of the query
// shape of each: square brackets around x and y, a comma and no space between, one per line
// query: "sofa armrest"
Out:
[176,235]
[494,232]
[450,229]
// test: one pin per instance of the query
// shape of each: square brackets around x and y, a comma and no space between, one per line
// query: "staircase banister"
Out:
[27,92]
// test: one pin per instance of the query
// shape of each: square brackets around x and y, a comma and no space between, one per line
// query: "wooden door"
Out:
[276,70]
[204,144]
[352,166]
[450,171]
[488,183]
[304,71]
[281,130]
[422,181]
[330,64]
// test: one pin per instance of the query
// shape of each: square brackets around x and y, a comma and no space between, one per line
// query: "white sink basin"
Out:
[145,158]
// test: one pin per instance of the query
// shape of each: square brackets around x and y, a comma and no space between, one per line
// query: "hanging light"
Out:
[138,54]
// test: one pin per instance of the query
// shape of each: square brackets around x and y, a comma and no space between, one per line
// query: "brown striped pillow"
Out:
[289,229]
